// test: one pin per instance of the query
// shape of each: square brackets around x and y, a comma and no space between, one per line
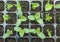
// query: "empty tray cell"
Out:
[25,6]
[27,21]
[1,30]
[12,18]
[34,21]
[10,27]
[58,40]
[56,7]
[35,27]
[23,27]
[10,40]
[58,30]
[35,6]
[50,28]
[49,40]
[1,18]
[1,6]
[57,16]
[44,5]
[1,40]
[36,40]
[48,18]
[11,6]
[23,40]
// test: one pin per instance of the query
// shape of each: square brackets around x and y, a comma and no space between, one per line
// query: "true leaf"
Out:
[9,31]
[57,6]
[38,30]
[21,33]
[31,17]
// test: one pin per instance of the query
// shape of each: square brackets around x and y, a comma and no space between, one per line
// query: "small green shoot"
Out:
[6,17]
[57,6]
[36,17]
[48,17]
[59,18]
[49,32]
[9,32]
[48,6]
[9,6]
[35,5]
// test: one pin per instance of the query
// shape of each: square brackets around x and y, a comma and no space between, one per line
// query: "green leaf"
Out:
[32,31]
[38,30]
[18,22]
[40,21]
[21,33]
[9,32]
[31,17]
[23,18]
[20,13]
[26,30]
[37,15]
[48,17]
[35,5]
[48,6]
[6,35]
[41,35]
[17,29]
[57,6]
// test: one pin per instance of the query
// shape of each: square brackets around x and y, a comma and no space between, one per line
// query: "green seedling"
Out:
[6,17]
[39,33]
[9,6]
[7,34]
[48,17]
[48,6]
[49,32]
[59,18]
[36,17]
[35,5]
[57,6]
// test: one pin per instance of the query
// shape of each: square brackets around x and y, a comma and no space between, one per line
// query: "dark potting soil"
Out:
[1,6]
[23,40]
[52,20]
[44,3]
[27,21]
[49,40]
[14,8]
[1,18]
[25,6]
[35,22]
[58,30]
[24,26]
[11,27]
[1,30]
[38,9]
[35,27]
[57,16]
[10,40]
[13,18]
[36,40]
[49,27]
[58,40]
[1,40]
[57,10]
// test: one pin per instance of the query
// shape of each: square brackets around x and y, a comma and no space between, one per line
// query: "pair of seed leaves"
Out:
[26,30]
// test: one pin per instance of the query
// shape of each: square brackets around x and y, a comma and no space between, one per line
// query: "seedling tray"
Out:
[54,25]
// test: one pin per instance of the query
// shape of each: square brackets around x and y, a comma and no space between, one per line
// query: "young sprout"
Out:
[57,6]
[35,5]
[36,17]
[7,34]
[48,17]
[6,17]
[48,6]
[59,18]
[49,32]
[9,6]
